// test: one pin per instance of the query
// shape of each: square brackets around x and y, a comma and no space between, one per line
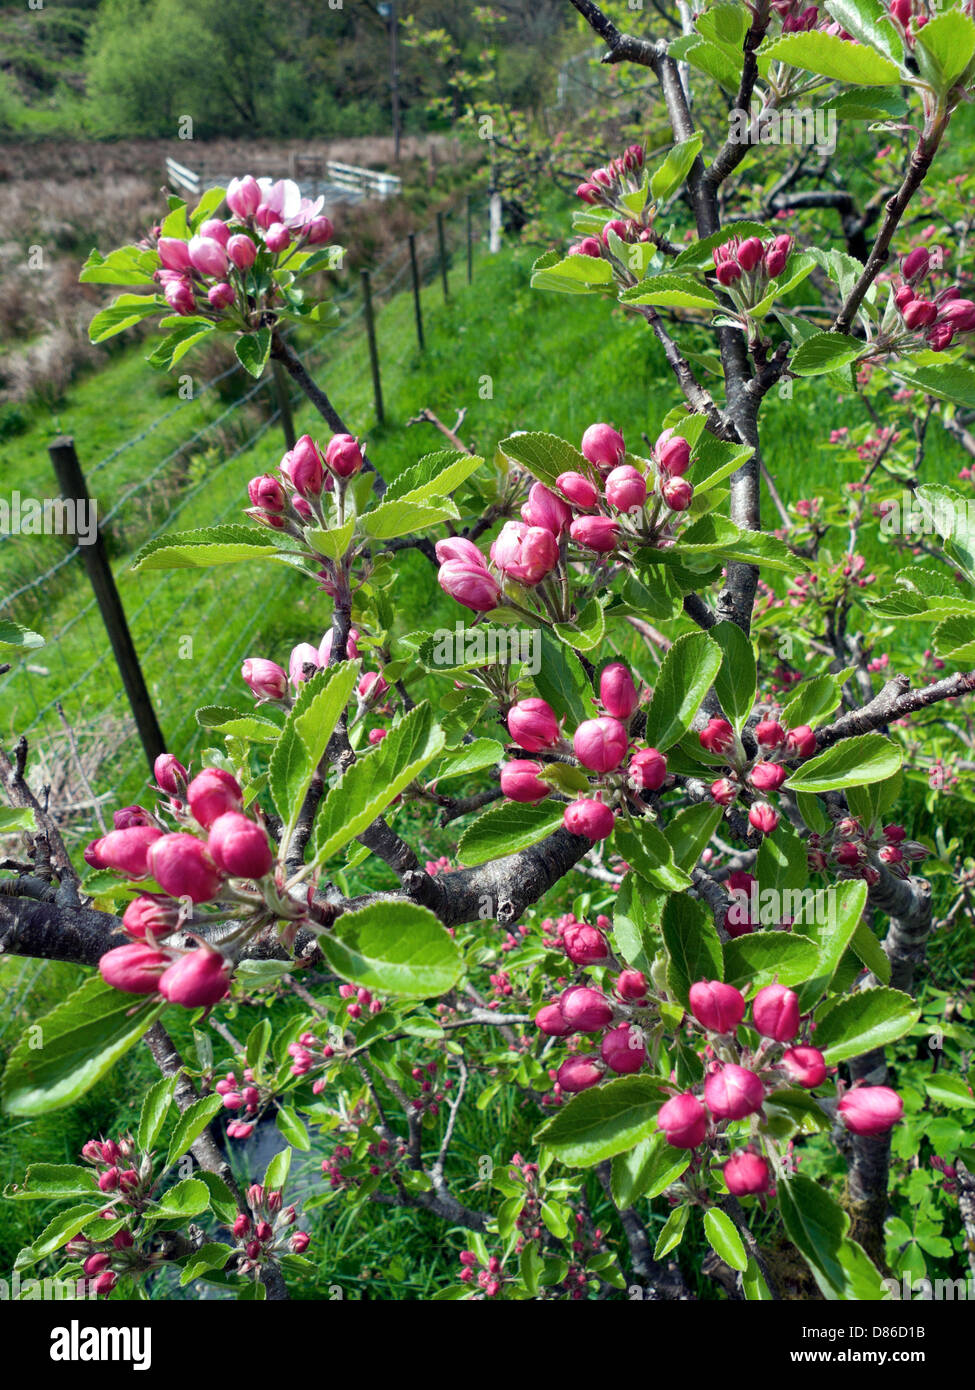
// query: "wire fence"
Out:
[187,467]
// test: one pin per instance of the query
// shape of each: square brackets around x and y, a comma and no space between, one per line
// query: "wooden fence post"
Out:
[377,386]
[442,245]
[284,403]
[470,242]
[71,481]
[416,292]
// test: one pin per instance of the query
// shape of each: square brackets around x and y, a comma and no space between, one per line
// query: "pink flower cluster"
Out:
[763,774]
[306,472]
[934,319]
[599,746]
[751,261]
[605,186]
[124,1186]
[189,869]
[240,1095]
[858,851]
[265,1233]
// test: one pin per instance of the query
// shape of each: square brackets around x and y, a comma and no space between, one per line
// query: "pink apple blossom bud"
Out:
[769,733]
[377,735]
[128,1180]
[208,256]
[304,467]
[920,313]
[239,846]
[108,1181]
[600,744]
[578,1074]
[174,253]
[178,294]
[181,865]
[603,446]
[939,337]
[126,851]
[216,230]
[746,1174]
[470,585]
[520,781]
[631,985]
[775,1011]
[588,246]
[802,741]
[805,1065]
[727,273]
[92,1151]
[579,490]
[459,548]
[96,1263]
[716,1006]
[242,1225]
[325,647]
[304,654]
[597,533]
[623,1049]
[903,297]
[620,228]
[602,176]
[768,777]
[277,237]
[197,981]
[105,1283]
[762,816]
[170,774]
[211,794]
[849,828]
[533,725]
[870,1109]
[221,296]
[549,1021]
[901,10]
[647,770]
[544,509]
[372,687]
[617,692]
[673,453]
[241,251]
[319,231]
[677,493]
[266,679]
[526,553]
[750,252]
[890,854]
[895,834]
[717,736]
[265,491]
[343,455]
[122,1240]
[585,1010]
[92,855]
[683,1121]
[584,944]
[149,914]
[128,816]
[244,196]
[299,1242]
[732,1092]
[626,488]
[135,969]
[960,313]
[777,255]
[724,791]
[589,818]
[588,192]
[849,854]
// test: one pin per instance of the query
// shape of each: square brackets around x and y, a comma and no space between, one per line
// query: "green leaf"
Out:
[818,1226]
[191,1124]
[184,1199]
[830,56]
[825,352]
[155,1108]
[850,763]
[399,518]
[435,476]
[471,757]
[376,779]
[587,631]
[951,1091]
[46,1182]
[332,543]
[561,680]
[276,1173]
[698,255]
[673,1231]
[206,207]
[258,1042]
[671,292]
[635,912]
[209,1257]
[394,948]
[16,818]
[758,959]
[508,828]
[737,681]
[649,854]
[863,1021]
[949,381]
[571,274]
[753,1285]
[685,677]
[814,700]
[869,22]
[304,738]
[781,866]
[603,1121]
[124,311]
[690,831]
[238,723]
[669,175]
[724,1239]
[546,456]
[16,640]
[83,1038]
[291,1125]
[252,351]
[126,266]
[215,545]
[646,1170]
[949,40]
[56,1234]
[693,946]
